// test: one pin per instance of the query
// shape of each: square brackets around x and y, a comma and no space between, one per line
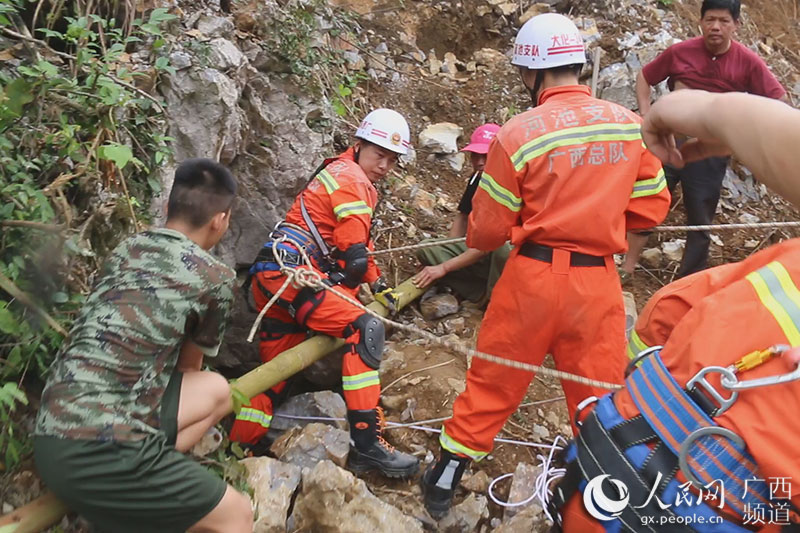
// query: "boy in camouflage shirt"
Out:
[126,396]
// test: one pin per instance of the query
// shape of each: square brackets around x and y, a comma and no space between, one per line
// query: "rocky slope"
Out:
[272,87]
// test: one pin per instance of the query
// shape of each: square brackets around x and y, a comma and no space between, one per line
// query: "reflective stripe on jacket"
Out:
[572,173]
[340,200]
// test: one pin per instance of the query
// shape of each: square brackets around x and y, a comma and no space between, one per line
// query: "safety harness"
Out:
[674,431]
[290,240]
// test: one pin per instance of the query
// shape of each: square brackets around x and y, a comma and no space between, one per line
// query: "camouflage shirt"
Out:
[156,290]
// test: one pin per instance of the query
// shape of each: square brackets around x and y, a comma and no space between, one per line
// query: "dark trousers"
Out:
[701,182]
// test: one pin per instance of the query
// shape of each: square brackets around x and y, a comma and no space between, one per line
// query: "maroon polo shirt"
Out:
[737,70]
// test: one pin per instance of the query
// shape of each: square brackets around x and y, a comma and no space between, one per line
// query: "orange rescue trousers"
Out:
[331,316]
[574,313]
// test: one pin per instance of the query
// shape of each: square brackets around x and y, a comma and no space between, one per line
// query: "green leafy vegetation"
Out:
[79,145]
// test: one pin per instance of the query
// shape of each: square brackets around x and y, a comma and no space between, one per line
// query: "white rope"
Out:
[541,489]
[395,425]
[668,229]
[309,277]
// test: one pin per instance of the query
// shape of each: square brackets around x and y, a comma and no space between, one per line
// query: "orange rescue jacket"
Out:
[572,173]
[715,317]
[340,200]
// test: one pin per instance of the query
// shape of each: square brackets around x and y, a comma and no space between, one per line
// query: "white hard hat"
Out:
[386,128]
[547,41]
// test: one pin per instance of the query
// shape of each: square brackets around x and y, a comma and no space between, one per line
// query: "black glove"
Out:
[379,285]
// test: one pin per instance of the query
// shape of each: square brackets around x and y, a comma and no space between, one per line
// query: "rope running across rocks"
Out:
[666,229]
[307,277]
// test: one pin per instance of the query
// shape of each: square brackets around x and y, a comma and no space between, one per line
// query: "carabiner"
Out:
[700,379]
[732,383]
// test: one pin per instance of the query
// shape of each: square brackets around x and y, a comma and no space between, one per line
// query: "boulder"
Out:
[673,250]
[477,482]
[212,26]
[311,404]
[334,500]
[530,519]
[441,138]
[439,306]
[464,517]
[308,446]
[489,57]
[225,55]
[522,487]
[274,484]
[652,257]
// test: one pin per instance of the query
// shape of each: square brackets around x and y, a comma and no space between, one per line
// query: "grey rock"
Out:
[616,84]
[334,500]
[456,161]
[315,442]
[464,517]
[673,250]
[489,57]
[522,487]
[530,519]
[441,138]
[747,218]
[310,404]
[180,60]
[224,55]
[740,190]
[477,482]
[652,257]
[216,26]
[439,306]
[274,484]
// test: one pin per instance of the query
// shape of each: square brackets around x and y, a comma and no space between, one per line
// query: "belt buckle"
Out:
[708,388]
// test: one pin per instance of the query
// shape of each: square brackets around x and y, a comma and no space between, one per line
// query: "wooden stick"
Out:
[7,285]
[33,225]
[598,52]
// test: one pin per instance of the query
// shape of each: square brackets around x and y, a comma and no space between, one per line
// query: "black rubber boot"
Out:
[370,451]
[440,481]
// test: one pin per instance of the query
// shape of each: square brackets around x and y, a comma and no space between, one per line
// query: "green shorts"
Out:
[136,486]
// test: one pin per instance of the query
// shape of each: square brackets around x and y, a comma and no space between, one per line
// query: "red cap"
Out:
[481,137]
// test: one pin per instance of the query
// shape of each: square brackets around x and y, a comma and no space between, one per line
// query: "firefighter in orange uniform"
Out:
[564,182]
[330,220]
[712,407]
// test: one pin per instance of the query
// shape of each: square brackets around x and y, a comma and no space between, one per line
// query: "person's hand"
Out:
[660,140]
[428,275]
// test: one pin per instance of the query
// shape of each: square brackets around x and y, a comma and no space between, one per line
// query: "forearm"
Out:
[643,91]
[459,227]
[469,257]
[763,133]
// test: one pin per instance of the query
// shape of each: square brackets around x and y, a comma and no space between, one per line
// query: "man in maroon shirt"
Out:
[713,62]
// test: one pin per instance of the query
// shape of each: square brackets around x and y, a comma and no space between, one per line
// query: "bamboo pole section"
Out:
[47,510]
[307,352]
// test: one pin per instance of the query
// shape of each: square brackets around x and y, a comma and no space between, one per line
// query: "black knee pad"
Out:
[370,343]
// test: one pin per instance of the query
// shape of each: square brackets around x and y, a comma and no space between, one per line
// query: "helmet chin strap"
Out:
[537,84]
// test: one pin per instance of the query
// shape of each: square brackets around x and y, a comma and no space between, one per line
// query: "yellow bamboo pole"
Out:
[47,510]
[307,352]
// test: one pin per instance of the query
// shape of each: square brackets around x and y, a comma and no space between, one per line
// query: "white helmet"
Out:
[386,128]
[547,41]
